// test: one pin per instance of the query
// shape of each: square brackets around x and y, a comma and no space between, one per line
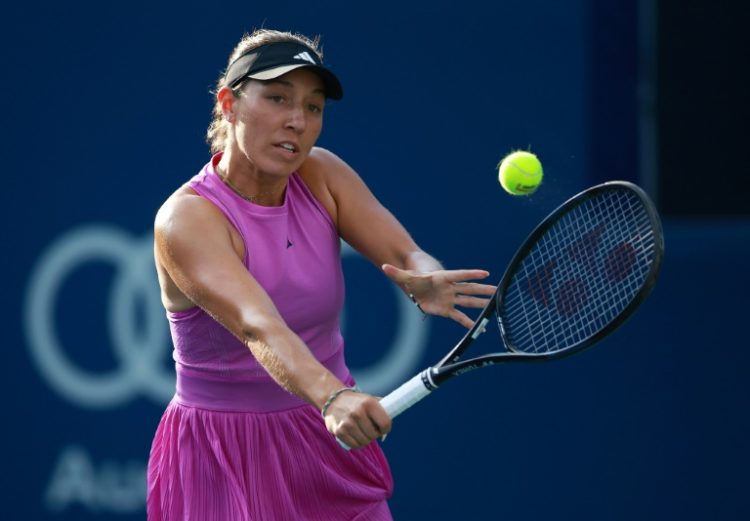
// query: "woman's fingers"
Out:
[464,275]
[471,302]
[461,318]
[472,288]
[397,275]
[357,419]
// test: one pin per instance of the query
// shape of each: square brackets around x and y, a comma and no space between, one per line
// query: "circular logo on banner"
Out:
[140,346]
[140,351]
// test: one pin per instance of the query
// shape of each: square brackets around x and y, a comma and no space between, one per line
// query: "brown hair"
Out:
[216,135]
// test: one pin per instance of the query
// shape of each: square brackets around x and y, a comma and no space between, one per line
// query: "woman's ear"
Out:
[225,98]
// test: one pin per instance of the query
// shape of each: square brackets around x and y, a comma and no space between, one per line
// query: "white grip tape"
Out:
[405,396]
[401,399]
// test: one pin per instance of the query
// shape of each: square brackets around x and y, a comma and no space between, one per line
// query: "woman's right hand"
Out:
[357,418]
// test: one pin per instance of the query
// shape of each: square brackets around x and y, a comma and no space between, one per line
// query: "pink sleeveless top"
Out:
[293,251]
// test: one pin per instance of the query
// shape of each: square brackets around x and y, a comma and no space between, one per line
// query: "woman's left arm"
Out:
[375,232]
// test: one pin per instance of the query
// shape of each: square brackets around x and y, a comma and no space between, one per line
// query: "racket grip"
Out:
[408,394]
[400,399]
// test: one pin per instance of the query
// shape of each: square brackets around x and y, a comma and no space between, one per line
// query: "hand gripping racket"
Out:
[579,275]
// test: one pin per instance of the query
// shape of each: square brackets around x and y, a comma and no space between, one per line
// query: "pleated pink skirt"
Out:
[274,466]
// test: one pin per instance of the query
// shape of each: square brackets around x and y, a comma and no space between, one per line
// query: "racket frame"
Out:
[449,366]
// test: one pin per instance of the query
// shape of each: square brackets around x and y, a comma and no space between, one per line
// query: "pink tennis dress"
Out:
[234,446]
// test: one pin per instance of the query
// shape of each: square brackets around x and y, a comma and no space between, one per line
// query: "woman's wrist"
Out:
[422,262]
[416,302]
[332,397]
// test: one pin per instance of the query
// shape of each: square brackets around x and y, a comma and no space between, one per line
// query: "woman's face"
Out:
[278,121]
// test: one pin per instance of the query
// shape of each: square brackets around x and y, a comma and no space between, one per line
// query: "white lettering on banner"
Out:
[107,486]
[141,346]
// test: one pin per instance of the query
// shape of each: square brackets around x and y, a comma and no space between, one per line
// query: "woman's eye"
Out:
[316,108]
[276,99]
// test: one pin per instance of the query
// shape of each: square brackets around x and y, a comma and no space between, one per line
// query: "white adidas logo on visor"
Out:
[305,56]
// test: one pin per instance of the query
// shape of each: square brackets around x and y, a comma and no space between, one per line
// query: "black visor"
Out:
[272,60]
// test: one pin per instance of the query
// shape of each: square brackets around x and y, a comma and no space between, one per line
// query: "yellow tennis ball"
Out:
[520,173]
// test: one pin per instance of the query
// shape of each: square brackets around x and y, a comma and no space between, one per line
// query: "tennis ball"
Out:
[520,173]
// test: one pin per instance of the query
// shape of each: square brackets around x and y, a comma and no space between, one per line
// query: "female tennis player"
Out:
[248,257]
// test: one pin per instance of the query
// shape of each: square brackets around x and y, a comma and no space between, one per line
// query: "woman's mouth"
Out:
[289,147]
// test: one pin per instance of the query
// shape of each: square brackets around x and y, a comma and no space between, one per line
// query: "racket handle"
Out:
[408,394]
[400,399]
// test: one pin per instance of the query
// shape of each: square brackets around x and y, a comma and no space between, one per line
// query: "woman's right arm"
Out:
[200,254]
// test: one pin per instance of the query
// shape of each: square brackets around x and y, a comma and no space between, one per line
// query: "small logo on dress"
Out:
[305,56]
[288,243]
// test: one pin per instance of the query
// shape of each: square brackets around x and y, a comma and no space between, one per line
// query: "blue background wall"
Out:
[105,107]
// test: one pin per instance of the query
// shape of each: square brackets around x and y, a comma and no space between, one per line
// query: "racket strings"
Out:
[580,275]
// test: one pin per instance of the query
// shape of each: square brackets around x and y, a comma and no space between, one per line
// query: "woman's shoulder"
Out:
[184,204]
[321,162]
[321,172]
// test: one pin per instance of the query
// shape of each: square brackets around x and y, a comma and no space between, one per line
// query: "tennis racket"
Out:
[580,274]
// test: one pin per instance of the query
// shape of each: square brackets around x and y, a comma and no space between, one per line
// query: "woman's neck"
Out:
[244,178]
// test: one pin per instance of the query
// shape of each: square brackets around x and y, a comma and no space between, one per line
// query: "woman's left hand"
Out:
[440,292]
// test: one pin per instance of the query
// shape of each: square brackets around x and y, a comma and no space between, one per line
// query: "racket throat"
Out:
[481,328]
[477,329]
[428,378]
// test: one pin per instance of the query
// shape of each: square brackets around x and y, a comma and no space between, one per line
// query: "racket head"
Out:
[581,272]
